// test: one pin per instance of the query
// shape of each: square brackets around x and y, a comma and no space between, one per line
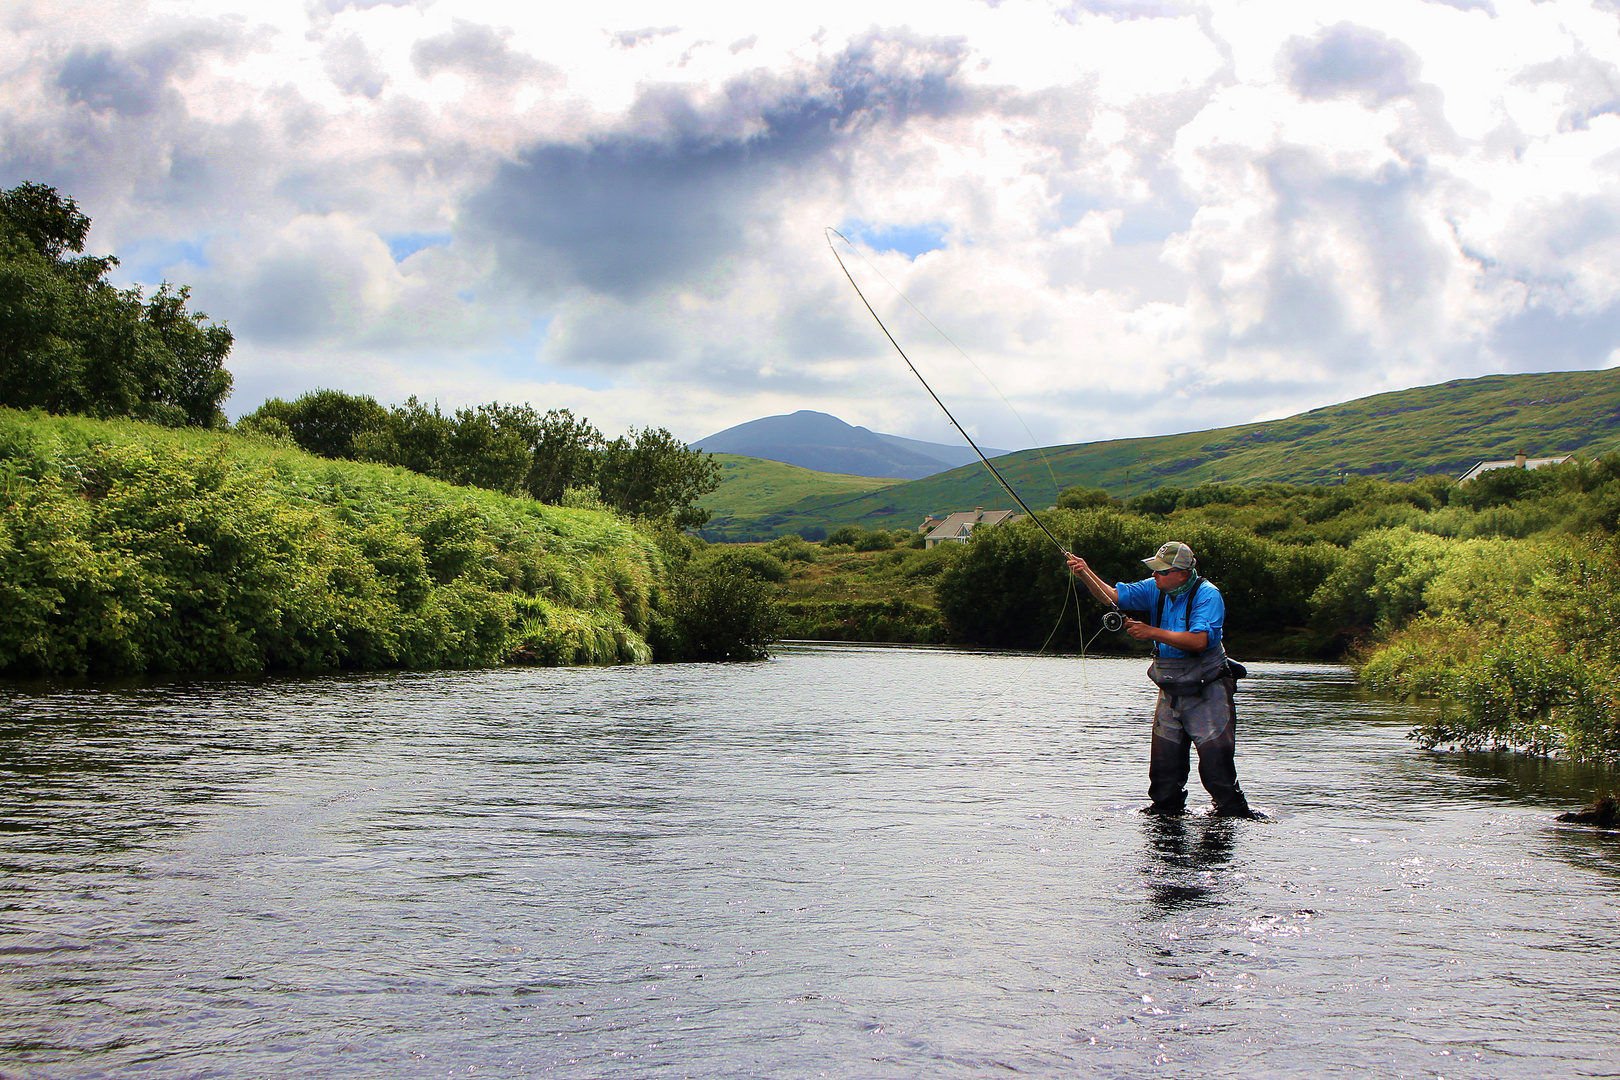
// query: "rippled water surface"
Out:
[847,862]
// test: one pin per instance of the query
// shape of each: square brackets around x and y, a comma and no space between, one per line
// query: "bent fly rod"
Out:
[995,472]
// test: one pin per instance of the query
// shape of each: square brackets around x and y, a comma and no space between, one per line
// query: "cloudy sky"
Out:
[1134,216]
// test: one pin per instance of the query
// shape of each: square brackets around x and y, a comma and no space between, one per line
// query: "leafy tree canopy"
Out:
[650,473]
[513,449]
[70,342]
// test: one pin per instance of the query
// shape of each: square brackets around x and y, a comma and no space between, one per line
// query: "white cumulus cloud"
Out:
[1135,216]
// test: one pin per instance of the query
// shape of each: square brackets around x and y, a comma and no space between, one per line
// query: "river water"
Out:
[846,862]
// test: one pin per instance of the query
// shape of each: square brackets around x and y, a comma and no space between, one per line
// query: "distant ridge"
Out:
[1397,436]
[816,440]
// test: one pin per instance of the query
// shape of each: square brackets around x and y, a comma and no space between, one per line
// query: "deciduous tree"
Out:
[70,342]
[649,473]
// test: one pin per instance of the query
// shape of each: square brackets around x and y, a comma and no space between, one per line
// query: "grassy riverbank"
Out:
[129,548]
[833,592]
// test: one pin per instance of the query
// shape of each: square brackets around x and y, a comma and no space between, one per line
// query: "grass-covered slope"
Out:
[1395,436]
[752,487]
[128,548]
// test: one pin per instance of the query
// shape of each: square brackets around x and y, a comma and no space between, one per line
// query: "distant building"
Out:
[958,527]
[1518,461]
[930,523]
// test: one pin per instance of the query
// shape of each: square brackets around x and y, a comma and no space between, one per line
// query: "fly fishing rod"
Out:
[993,470]
[1112,620]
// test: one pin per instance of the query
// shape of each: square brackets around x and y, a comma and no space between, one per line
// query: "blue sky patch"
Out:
[403,245]
[523,360]
[909,240]
[148,262]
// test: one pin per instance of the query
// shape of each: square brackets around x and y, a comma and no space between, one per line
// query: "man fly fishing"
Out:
[1190,668]
[1195,681]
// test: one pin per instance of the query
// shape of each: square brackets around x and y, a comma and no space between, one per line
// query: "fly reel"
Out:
[1113,621]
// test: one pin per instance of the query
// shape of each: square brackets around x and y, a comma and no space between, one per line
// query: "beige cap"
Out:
[1172,556]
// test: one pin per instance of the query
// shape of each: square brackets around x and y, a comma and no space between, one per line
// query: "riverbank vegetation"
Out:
[553,457]
[1496,598]
[129,548]
[501,536]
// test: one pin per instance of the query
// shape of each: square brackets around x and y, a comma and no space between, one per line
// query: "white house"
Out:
[1518,461]
[958,527]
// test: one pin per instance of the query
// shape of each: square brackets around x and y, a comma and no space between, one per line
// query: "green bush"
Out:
[792,548]
[877,540]
[746,560]
[718,615]
[1502,486]
[846,535]
[1517,643]
[326,423]
[862,620]
[126,548]
[930,562]
[1079,497]
[1380,583]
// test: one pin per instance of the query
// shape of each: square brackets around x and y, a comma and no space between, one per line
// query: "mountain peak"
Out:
[821,441]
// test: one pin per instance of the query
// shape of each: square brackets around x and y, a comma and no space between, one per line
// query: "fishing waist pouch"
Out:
[1183,676]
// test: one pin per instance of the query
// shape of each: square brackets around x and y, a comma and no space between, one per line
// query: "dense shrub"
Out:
[1080,497]
[876,540]
[1499,487]
[718,615]
[919,564]
[747,561]
[125,549]
[324,422]
[792,548]
[1385,578]
[1012,587]
[862,620]
[1518,645]
[713,603]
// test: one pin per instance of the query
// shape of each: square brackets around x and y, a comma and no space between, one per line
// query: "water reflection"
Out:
[1182,857]
[1524,778]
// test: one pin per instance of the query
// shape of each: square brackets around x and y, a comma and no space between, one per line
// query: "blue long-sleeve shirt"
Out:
[1207,616]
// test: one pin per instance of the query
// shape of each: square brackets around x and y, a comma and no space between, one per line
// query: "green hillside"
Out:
[751,488]
[1395,436]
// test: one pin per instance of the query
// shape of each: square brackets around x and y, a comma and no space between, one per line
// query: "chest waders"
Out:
[1195,708]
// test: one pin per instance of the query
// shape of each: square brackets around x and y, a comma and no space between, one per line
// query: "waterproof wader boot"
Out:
[1209,721]
[1167,774]
[1217,768]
